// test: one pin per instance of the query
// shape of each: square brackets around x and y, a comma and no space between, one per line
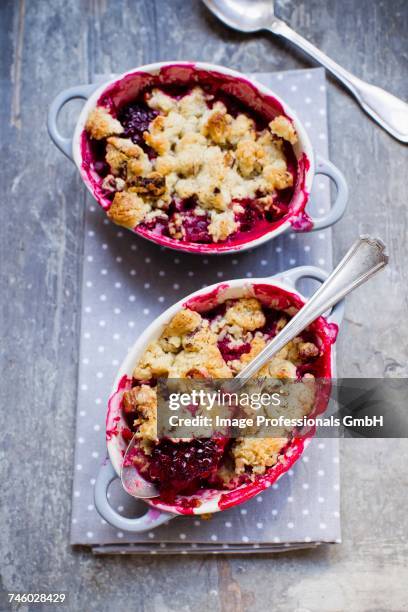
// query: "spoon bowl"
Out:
[243,15]
[132,481]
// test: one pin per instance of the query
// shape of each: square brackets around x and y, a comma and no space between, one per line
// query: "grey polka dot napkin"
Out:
[127,282]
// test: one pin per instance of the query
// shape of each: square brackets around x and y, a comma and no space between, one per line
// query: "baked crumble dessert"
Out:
[192,165]
[216,343]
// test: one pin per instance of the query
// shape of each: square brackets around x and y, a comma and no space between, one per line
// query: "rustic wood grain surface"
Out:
[48,45]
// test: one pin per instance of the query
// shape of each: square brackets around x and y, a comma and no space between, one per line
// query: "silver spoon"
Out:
[253,15]
[365,258]
[132,481]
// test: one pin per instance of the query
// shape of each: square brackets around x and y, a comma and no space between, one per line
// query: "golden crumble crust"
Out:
[199,338]
[257,453]
[126,158]
[147,432]
[249,156]
[207,360]
[201,152]
[154,362]
[278,368]
[158,142]
[119,151]
[217,125]
[160,101]
[183,322]
[153,185]
[222,225]
[126,146]
[143,402]
[127,209]
[246,313]
[301,397]
[143,399]
[283,127]
[194,104]
[276,176]
[297,351]
[100,124]
[308,350]
[189,160]
[241,128]
[165,164]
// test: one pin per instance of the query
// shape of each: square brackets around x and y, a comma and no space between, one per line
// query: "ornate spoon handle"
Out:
[365,258]
[386,109]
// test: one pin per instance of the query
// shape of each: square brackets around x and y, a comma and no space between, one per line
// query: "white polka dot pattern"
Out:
[127,282]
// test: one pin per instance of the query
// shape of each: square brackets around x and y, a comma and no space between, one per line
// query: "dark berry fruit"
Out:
[179,467]
[231,352]
[250,217]
[101,168]
[135,119]
[196,228]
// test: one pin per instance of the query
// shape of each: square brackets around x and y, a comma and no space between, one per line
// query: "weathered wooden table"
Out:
[47,45]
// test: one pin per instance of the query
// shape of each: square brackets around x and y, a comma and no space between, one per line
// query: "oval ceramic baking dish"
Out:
[211,500]
[234,86]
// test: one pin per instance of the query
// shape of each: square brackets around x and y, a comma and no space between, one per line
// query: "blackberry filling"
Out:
[278,210]
[231,352]
[135,119]
[101,167]
[250,217]
[196,228]
[179,467]
[182,206]
[271,320]
[218,311]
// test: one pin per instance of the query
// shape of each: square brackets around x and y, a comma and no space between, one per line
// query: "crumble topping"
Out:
[256,453]
[281,126]
[246,313]
[218,344]
[101,124]
[191,158]
[154,362]
[128,208]
[222,225]
[124,156]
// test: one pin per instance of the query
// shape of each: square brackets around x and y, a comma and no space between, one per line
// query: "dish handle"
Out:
[292,277]
[151,519]
[82,92]
[326,167]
